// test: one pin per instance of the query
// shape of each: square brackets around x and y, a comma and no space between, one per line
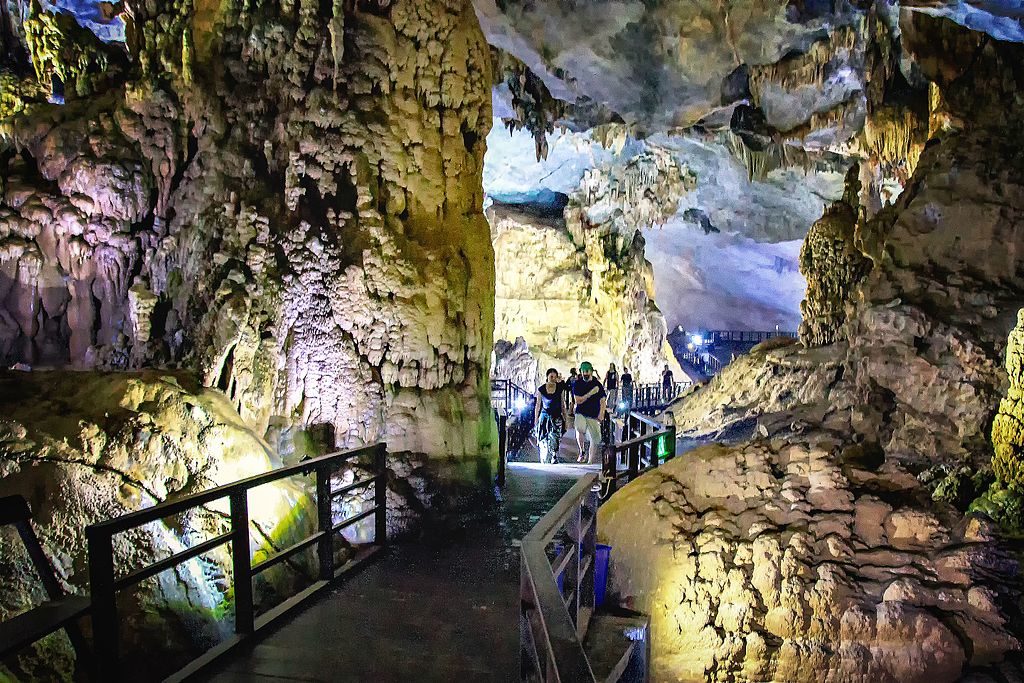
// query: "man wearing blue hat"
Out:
[591,404]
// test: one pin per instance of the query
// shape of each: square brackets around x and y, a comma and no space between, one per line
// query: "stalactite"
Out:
[808,69]
[536,109]
[896,138]
[778,155]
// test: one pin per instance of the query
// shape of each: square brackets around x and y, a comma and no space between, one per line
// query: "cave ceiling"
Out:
[764,103]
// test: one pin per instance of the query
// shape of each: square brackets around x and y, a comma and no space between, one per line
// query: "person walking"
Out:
[667,383]
[611,385]
[550,416]
[569,399]
[591,405]
[626,380]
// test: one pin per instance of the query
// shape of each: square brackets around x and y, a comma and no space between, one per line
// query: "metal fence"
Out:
[105,582]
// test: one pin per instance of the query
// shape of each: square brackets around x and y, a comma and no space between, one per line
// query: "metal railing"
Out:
[648,398]
[703,361]
[506,395]
[105,583]
[644,445]
[755,336]
[553,620]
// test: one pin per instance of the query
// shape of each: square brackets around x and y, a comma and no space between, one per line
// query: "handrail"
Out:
[104,584]
[637,450]
[553,624]
[651,396]
[748,335]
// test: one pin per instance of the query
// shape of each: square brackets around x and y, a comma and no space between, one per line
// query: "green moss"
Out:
[956,486]
[1003,503]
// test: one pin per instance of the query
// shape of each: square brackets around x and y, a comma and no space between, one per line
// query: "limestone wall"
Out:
[577,292]
[841,543]
[285,198]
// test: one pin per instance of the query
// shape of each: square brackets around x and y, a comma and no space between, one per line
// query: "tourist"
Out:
[550,417]
[667,383]
[611,383]
[626,380]
[563,391]
[591,404]
[569,398]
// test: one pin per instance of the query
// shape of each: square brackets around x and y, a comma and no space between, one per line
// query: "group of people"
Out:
[581,400]
[585,402]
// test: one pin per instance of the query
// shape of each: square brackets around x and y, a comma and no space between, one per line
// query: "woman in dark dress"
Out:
[550,416]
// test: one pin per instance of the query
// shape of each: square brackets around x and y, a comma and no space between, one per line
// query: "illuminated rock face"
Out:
[833,266]
[84,447]
[575,292]
[287,202]
[786,560]
[841,544]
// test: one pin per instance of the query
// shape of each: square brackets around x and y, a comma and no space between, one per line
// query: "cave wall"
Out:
[285,198]
[574,292]
[87,446]
[844,539]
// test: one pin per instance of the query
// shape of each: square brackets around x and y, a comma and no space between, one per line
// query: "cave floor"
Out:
[445,607]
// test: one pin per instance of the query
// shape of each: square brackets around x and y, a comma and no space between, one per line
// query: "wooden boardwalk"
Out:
[443,608]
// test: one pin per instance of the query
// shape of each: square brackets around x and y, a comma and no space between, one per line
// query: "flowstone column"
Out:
[336,264]
[296,189]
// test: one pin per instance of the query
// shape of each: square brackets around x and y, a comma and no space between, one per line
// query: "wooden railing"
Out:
[644,445]
[552,620]
[105,582]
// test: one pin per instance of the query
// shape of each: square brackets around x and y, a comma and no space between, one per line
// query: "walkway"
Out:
[445,608]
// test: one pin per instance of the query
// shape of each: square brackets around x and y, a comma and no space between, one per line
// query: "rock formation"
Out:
[833,266]
[287,204]
[281,200]
[573,283]
[85,447]
[834,545]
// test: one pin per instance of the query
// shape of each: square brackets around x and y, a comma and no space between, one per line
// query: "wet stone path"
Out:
[442,608]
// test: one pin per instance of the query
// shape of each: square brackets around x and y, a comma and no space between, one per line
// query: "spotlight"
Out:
[520,404]
[622,405]
[697,340]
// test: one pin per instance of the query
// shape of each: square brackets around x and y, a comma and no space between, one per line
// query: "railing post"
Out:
[104,605]
[671,436]
[588,549]
[611,467]
[502,447]
[571,574]
[634,462]
[325,523]
[380,495]
[241,562]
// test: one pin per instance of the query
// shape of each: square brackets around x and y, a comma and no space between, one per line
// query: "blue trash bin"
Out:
[601,558]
